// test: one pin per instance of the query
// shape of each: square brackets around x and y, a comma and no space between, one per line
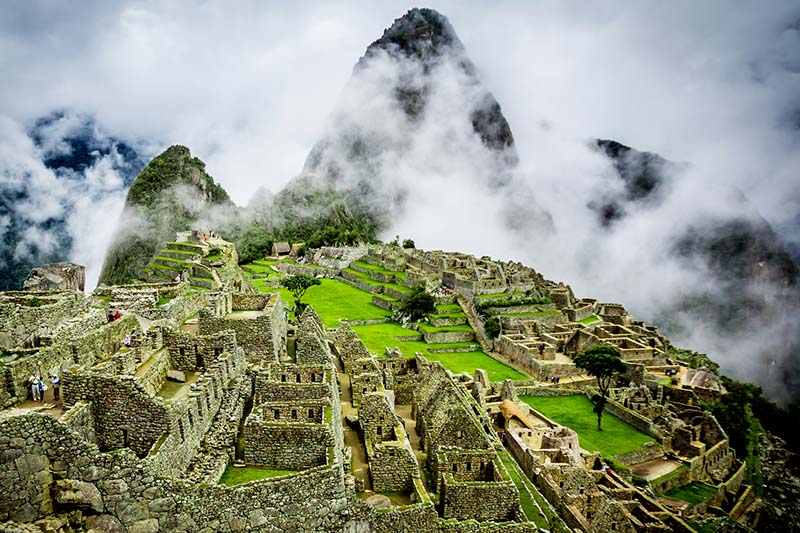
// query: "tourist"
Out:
[42,387]
[110,315]
[56,387]
[127,341]
[34,381]
[117,315]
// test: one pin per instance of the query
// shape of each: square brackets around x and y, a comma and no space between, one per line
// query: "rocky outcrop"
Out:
[56,276]
[171,193]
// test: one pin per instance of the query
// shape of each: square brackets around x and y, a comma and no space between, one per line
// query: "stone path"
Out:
[656,468]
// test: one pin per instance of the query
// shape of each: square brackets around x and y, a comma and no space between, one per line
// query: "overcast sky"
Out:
[248,87]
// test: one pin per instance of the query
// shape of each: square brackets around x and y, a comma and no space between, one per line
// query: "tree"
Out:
[408,243]
[298,285]
[605,364]
[418,304]
[492,327]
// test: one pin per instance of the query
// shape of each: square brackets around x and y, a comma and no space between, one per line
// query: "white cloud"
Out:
[249,89]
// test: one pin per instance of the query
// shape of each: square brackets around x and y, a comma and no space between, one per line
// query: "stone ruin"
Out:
[189,384]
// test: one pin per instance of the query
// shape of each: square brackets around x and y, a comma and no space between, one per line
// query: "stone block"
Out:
[105,523]
[149,525]
[79,494]
[176,375]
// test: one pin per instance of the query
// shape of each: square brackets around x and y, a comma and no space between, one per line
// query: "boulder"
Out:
[104,522]
[379,501]
[56,276]
[79,494]
[176,375]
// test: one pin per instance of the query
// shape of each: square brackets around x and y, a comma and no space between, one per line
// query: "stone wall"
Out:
[130,416]
[193,352]
[286,445]
[79,418]
[393,467]
[488,501]
[262,337]
[25,314]
[43,457]
[95,345]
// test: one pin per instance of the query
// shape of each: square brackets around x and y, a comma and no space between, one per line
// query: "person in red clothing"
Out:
[117,315]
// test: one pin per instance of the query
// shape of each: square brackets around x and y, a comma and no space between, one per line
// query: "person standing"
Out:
[34,381]
[56,382]
[41,387]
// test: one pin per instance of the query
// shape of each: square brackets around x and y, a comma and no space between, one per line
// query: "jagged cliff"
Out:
[414,104]
[169,195]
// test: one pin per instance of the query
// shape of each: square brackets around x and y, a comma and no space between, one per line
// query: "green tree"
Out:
[492,327]
[408,243]
[418,304]
[298,285]
[605,364]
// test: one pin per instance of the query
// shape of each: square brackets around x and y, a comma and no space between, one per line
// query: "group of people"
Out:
[555,379]
[38,387]
[113,315]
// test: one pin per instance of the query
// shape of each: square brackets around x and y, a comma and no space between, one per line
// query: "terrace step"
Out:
[185,246]
[170,261]
[180,254]
[203,283]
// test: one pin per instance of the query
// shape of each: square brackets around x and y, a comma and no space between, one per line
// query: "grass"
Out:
[693,493]
[527,498]
[448,308]
[427,328]
[334,300]
[377,337]
[242,474]
[575,412]
[376,268]
[591,319]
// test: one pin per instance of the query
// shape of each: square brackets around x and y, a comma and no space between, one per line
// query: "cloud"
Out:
[250,90]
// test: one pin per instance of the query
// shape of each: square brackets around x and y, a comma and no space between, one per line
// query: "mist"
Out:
[711,86]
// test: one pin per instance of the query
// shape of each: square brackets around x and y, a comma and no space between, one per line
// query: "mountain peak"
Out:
[421,33]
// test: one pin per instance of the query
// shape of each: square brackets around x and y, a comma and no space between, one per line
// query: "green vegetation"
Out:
[234,475]
[335,300]
[298,285]
[589,320]
[382,270]
[617,438]
[693,493]
[605,364]
[418,304]
[531,501]
[408,243]
[669,475]
[693,359]
[153,203]
[377,337]
[427,328]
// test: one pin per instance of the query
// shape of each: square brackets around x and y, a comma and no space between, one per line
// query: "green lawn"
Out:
[377,337]
[591,319]
[243,474]
[576,413]
[334,300]
[693,493]
[376,268]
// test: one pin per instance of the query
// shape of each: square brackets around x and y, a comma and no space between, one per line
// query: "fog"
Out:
[250,90]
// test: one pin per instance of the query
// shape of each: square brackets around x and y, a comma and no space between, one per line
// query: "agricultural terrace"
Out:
[334,300]
[575,412]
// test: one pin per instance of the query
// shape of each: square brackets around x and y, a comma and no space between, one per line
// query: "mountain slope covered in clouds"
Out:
[53,177]
[414,125]
[749,296]
[171,194]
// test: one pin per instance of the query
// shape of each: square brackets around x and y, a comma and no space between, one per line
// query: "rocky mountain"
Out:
[59,164]
[414,105]
[171,194]
[752,278]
